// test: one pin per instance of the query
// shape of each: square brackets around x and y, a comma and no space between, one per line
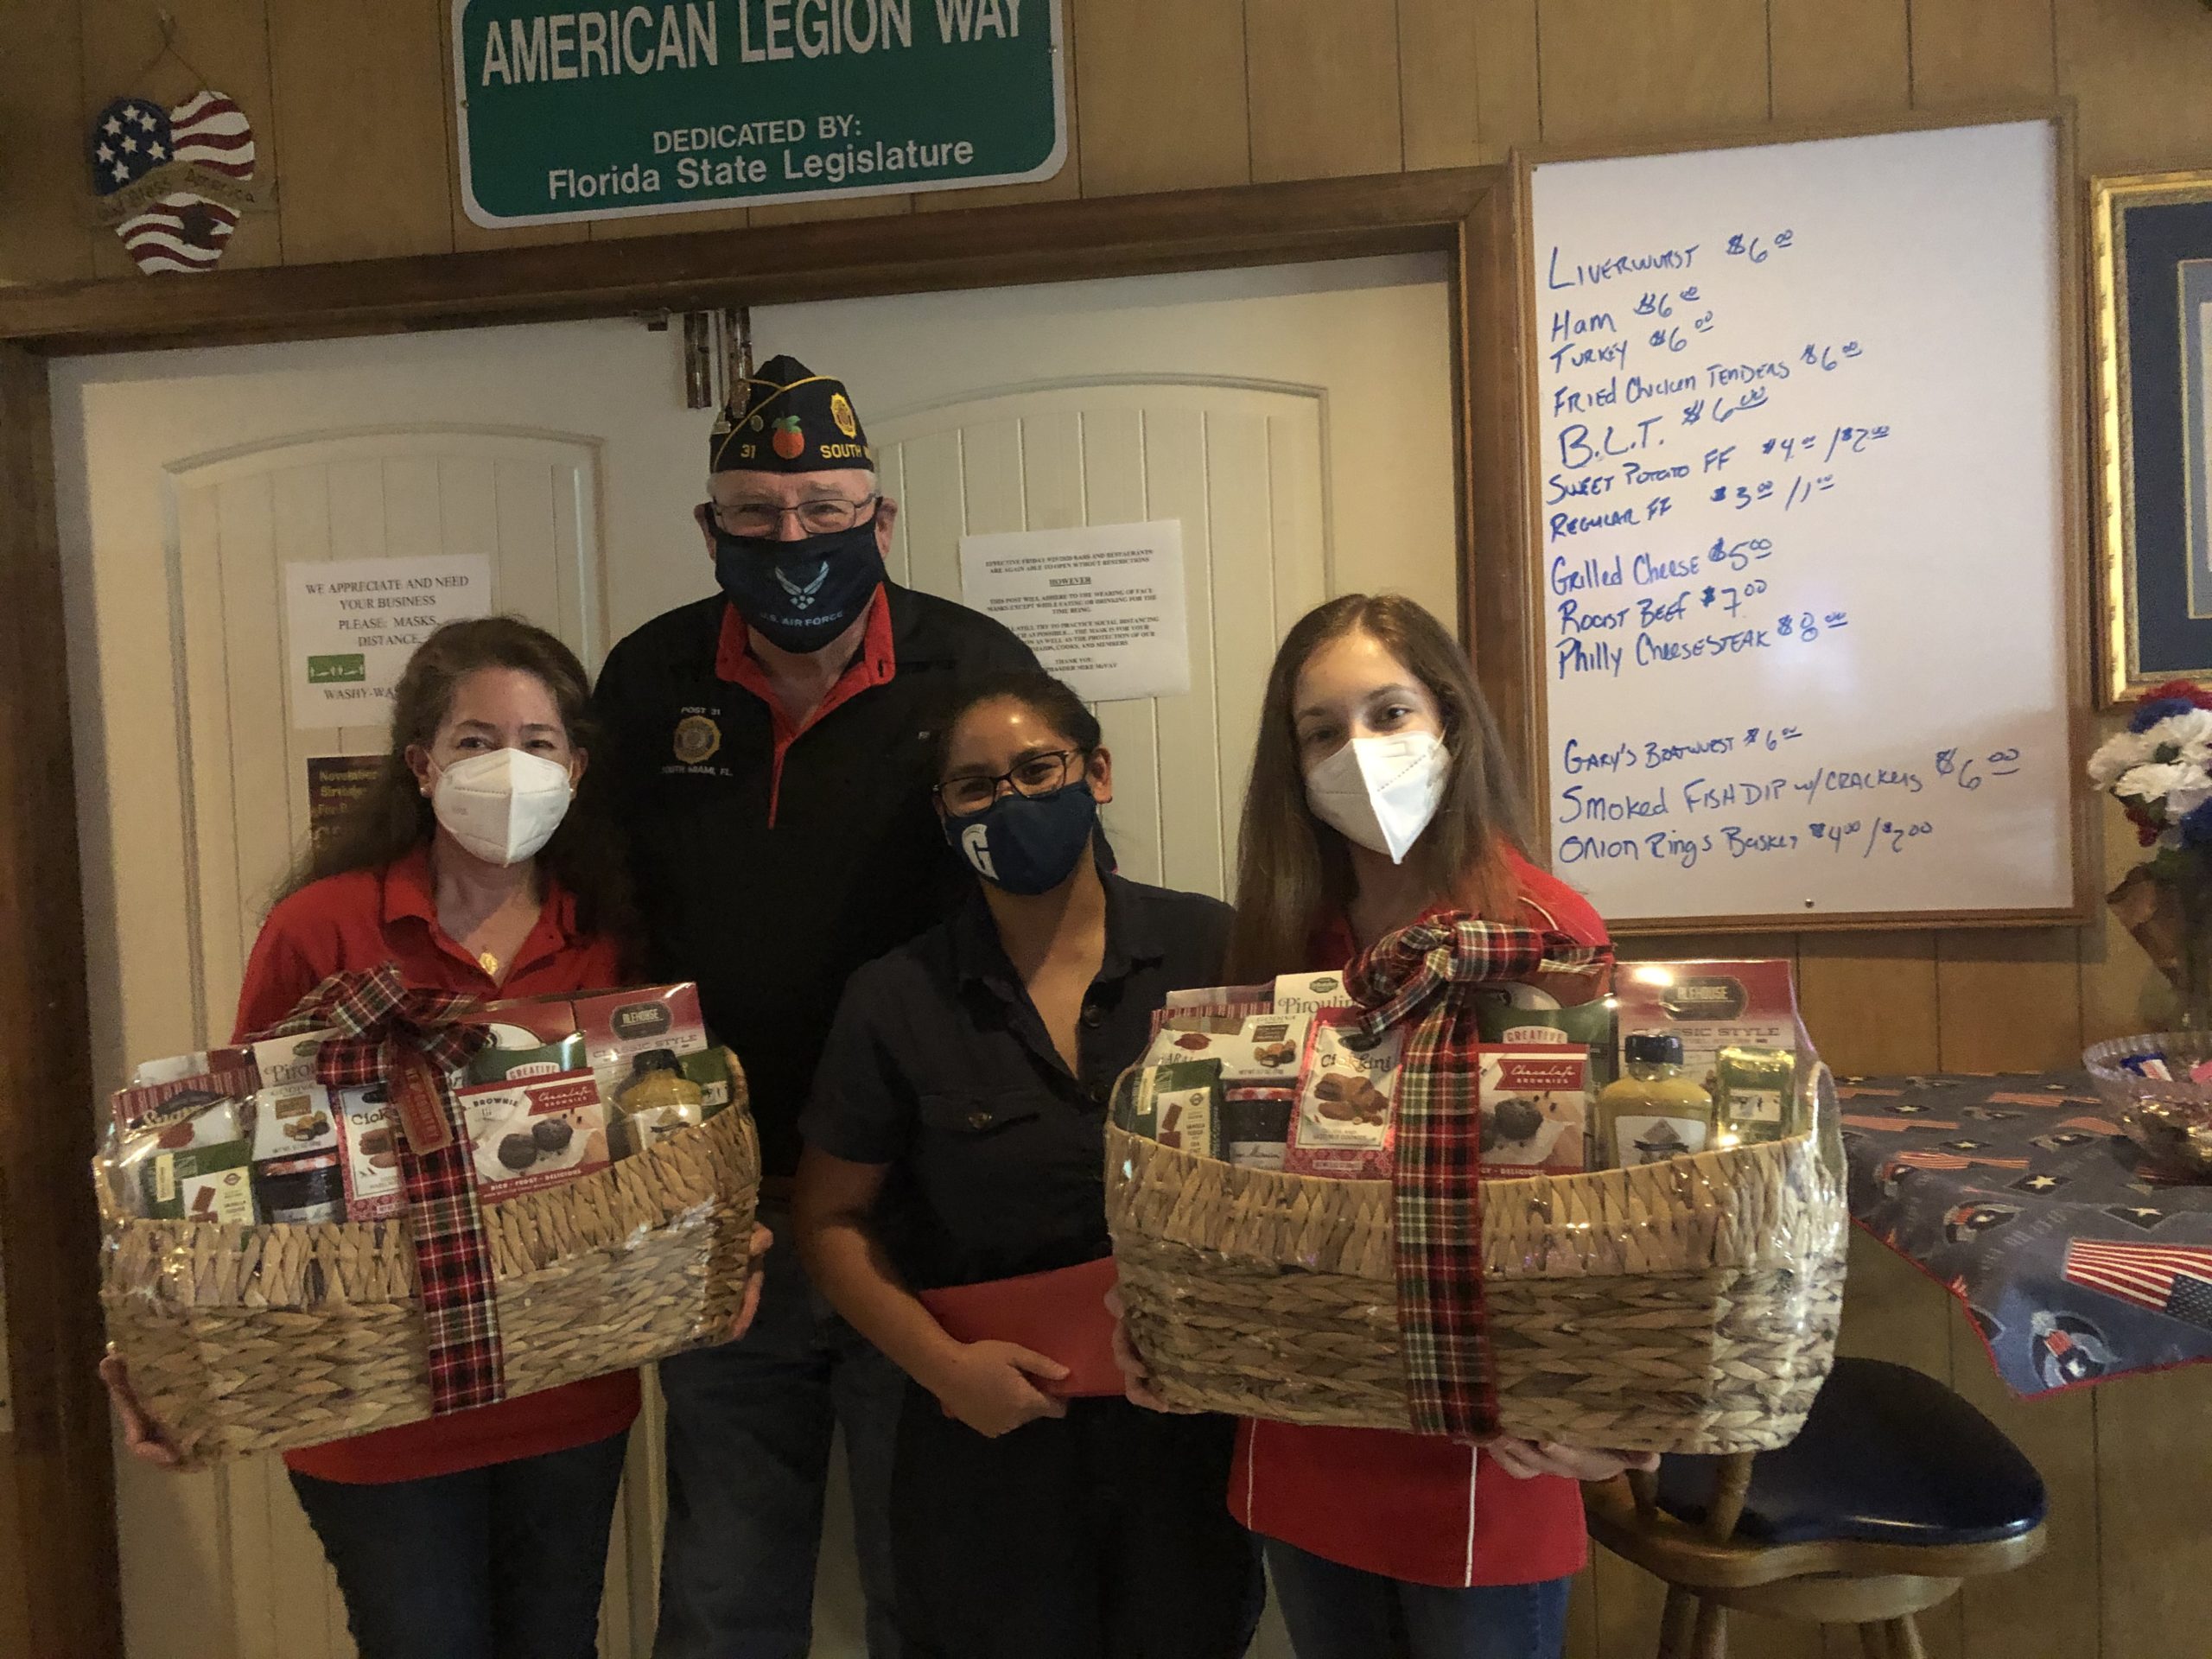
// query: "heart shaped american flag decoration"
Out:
[172,182]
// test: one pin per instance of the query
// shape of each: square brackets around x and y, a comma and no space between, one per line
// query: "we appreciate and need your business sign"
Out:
[656,109]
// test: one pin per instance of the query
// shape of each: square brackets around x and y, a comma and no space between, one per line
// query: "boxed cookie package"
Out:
[368,1139]
[1347,1089]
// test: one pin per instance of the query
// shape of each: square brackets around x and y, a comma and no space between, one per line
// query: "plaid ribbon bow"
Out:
[1424,973]
[406,1041]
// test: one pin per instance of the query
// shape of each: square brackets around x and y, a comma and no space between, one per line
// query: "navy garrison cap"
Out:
[787,419]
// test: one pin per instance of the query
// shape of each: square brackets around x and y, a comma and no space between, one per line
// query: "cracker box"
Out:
[1345,1121]
[368,1143]
[529,1135]
[1534,1103]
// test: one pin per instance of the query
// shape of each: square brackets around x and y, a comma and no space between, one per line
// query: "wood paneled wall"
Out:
[351,102]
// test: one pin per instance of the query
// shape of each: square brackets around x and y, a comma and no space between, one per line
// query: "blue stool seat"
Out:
[1888,1456]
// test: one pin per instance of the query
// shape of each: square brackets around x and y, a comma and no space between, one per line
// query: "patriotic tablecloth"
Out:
[2021,1196]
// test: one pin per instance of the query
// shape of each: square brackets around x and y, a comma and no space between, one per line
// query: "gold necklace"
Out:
[489,964]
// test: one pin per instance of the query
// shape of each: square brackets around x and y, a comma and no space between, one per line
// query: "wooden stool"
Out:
[1895,1492]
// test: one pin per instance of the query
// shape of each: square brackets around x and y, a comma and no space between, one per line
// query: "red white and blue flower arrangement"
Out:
[2160,772]
[2160,769]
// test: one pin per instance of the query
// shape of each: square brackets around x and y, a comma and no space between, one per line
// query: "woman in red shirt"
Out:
[481,1535]
[1380,793]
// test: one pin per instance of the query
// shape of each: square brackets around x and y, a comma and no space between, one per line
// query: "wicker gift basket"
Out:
[245,1339]
[1689,1306]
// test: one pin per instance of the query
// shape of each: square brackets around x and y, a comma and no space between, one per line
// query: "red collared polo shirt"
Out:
[361,920]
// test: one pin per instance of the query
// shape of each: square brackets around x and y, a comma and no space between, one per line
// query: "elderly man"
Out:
[773,748]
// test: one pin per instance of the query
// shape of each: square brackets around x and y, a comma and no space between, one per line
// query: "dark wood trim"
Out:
[1500,626]
[989,247]
[61,1531]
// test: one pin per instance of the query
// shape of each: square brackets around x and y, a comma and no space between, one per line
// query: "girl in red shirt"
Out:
[470,863]
[1380,793]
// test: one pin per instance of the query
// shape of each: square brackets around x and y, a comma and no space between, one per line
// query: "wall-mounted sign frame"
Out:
[2153,255]
[675,107]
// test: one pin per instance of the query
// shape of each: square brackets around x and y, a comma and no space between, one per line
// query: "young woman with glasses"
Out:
[955,1137]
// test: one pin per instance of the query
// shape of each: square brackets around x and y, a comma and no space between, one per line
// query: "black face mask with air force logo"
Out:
[802,594]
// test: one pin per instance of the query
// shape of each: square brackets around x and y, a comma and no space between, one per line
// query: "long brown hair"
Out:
[1292,870]
[392,817]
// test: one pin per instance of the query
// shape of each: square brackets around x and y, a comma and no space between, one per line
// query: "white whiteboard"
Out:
[1803,527]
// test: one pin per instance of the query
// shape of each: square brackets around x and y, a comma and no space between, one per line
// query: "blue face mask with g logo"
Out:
[1026,844]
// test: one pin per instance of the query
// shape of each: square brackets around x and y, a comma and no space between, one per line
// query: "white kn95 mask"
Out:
[503,806]
[1381,791]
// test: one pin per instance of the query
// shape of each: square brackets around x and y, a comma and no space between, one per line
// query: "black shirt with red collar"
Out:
[773,858]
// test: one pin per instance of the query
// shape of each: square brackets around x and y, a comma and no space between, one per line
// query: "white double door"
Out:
[1296,421]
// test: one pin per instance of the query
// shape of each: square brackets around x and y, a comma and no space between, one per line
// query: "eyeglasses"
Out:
[825,518]
[1035,775]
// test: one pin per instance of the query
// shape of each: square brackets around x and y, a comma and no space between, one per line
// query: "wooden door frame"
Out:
[63,1522]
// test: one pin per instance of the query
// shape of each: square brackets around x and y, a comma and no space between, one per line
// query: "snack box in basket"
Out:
[1345,1121]
[294,1124]
[207,1062]
[1533,1097]
[533,1134]
[203,1183]
[194,1110]
[614,1028]
[1177,1104]
[1710,1004]
[1262,1051]
[368,1163]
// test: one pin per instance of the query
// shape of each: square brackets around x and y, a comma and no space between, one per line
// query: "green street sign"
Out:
[663,109]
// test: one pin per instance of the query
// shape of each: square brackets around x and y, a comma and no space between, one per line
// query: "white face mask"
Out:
[502,806]
[1381,791]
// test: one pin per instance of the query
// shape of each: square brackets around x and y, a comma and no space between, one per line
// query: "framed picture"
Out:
[2153,236]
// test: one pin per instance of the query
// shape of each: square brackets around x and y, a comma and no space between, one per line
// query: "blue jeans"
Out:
[1340,1612]
[503,1562]
[749,1427]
